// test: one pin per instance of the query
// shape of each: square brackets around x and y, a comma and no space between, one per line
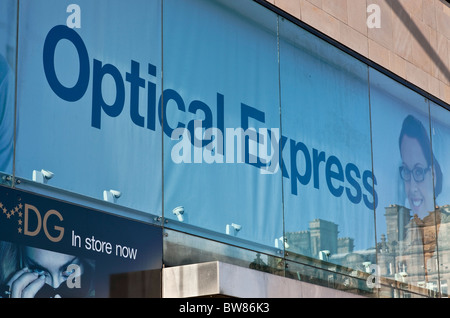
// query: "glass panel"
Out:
[88,85]
[440,134]
[8,27]
[335,277]
[224,87]
[184,249]
[403,168]
[327,175]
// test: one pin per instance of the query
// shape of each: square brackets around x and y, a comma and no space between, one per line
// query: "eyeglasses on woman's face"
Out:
[417,172]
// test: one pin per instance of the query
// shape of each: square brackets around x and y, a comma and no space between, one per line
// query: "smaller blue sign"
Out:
[50,248]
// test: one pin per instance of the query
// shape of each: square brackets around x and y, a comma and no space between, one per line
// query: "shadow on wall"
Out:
[404,16]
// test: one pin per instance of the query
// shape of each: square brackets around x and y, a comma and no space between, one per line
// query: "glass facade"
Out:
[246,137]
[8,33]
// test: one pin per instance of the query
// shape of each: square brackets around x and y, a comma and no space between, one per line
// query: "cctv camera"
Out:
[111,195]
[42,176]
[237,227]
[229,227]
[115,193]
[178,211]
[324,254]
[279,243]
[47,174]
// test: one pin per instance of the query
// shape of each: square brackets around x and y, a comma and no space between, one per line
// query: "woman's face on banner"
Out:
[51,264]
[418,186]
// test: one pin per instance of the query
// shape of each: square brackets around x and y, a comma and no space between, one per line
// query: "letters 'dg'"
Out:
[42,223]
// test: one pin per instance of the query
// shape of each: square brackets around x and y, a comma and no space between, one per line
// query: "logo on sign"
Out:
[31,221]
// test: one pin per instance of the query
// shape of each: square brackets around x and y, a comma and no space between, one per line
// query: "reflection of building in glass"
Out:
[322,244]
[407,253]
[324,236]
[321,236]
[414,249]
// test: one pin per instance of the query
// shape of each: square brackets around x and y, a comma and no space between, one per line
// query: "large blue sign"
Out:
[174,119]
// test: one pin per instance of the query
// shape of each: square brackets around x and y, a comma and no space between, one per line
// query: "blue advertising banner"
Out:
[50,248]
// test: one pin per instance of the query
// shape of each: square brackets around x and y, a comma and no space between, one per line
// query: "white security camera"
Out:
[115,193]
[111,195]
[178,211]
[280,241]
[324,254]
[237,227]
[47,174]
[231,226]
[42,176]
